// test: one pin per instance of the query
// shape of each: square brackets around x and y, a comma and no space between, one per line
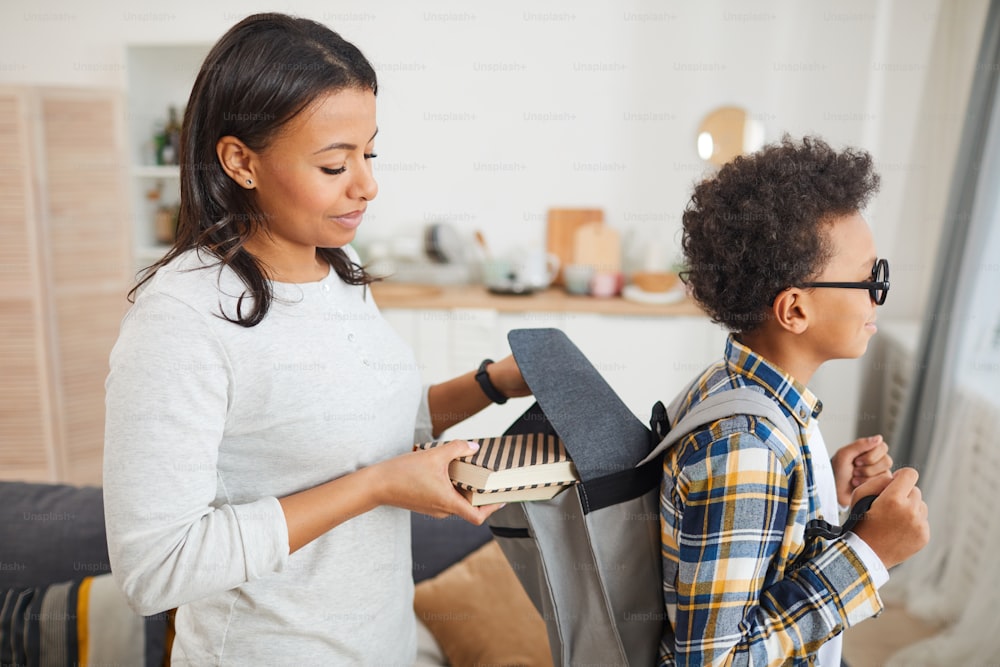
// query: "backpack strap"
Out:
[738,401]
[629,483]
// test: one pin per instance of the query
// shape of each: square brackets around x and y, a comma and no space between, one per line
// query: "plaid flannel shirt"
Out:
[741,586]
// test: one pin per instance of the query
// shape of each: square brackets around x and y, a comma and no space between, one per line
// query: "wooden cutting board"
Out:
[561,232]
[598,246]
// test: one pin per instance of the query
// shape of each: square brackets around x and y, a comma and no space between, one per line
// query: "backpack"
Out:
[589,558]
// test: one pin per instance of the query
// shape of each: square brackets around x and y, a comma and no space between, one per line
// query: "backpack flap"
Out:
[600,433]
[589,558]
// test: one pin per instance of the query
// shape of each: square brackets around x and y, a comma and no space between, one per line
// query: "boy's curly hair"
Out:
[754,228]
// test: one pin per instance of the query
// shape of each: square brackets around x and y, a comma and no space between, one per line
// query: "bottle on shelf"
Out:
[168,141]
[165,224]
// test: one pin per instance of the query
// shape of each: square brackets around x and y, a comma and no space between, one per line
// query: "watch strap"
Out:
[483,378]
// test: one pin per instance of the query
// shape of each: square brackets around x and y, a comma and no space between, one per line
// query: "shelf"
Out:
[552,300]
[156,171]
[159,76]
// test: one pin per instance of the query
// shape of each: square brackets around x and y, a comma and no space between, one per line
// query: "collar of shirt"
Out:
[793,396]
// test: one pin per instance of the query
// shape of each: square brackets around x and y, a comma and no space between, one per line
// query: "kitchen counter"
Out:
[407,295]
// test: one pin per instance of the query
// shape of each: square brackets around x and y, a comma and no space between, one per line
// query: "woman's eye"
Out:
[333,172]
[371,156]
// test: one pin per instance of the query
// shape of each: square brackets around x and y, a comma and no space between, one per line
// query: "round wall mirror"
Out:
[727,132]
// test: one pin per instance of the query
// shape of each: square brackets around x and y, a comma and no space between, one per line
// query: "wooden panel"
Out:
[86,198]
[88,227]
[26,416]
[64,272]
[88,327]
[16,256]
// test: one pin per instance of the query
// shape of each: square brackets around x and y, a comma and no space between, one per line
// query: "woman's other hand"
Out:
[506,377]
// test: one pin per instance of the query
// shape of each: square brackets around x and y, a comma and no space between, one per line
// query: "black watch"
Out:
[483,378]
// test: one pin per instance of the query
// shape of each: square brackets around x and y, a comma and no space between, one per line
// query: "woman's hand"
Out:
[419,482]
[858,462]
[506,377]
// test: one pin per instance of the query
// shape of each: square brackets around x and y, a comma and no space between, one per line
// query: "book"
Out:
[518,495]
[512,468]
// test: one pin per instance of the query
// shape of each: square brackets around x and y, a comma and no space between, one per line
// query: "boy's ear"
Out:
[237,161]
[790,310]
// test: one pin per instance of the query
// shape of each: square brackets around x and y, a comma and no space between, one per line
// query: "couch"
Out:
[56,589]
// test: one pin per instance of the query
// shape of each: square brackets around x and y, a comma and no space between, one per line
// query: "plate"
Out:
[634,293]
[511,290]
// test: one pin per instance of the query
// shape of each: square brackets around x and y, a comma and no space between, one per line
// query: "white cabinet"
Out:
[645,359]
[159,77]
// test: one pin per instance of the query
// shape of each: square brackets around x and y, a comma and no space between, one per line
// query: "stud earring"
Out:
[249,182]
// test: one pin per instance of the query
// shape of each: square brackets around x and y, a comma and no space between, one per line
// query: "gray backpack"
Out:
[589,558]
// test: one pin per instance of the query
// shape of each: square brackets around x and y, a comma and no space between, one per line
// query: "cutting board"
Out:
[561,232]
[598,246]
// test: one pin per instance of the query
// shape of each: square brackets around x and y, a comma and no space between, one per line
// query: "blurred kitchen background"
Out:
[509,131]
[491,114]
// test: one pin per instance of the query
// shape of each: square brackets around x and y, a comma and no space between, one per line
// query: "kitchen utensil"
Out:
[481,242]
[561,231]
[598,246]
[442,243]
[576,278]
[501,277]
[638,295]
[655,281]
[536,268]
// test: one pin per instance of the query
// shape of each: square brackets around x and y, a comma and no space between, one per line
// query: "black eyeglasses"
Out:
[878,286]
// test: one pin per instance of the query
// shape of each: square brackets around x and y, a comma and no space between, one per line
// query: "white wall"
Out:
[490,113]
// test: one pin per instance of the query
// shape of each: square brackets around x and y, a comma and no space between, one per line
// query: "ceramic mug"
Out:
[577,278]
[499,274]
[536,268]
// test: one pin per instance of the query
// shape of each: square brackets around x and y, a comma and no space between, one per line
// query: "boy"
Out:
[779,254]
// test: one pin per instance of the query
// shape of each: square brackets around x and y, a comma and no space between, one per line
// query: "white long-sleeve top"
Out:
[209,423]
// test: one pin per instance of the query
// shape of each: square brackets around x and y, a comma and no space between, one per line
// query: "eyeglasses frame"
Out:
[878,290]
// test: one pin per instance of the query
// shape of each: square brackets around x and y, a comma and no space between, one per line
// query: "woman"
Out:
[260,412]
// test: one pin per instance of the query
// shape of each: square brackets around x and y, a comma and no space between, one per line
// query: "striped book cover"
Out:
[511,468]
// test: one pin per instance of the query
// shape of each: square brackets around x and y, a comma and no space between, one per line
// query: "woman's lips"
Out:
[350,220]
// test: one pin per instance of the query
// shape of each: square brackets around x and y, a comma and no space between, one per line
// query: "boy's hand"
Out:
[895,526]
[856,463]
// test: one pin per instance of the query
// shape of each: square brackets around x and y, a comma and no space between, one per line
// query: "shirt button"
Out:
[350,337]
[326,288]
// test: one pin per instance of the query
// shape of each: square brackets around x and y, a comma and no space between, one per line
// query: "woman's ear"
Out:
[237,161]
[790,310]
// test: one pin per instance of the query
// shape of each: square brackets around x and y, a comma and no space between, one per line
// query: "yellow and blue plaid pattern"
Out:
[741,586]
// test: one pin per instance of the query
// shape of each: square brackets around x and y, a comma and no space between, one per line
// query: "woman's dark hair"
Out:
[263,72]
[756,227]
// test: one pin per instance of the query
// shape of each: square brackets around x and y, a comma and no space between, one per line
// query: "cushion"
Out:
[439,543]
[85,621]
[53,534]
[480,615]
